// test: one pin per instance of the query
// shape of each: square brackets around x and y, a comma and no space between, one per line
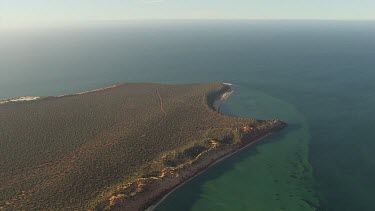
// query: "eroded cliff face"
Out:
[145,191]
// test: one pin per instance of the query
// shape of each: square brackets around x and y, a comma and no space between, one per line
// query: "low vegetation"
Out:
[69,152]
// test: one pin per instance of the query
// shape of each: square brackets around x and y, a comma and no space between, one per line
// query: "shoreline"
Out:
[152,207]
[20,99]
[216,105]
[224,96]
[34,98]
[93,90]
[172,178]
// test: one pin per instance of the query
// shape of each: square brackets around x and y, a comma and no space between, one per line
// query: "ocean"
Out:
[318,76]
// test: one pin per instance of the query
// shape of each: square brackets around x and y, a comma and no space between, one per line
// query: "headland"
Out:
[122,147]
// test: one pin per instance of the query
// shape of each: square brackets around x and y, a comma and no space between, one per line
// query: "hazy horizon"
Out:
[36,13]
[140,22]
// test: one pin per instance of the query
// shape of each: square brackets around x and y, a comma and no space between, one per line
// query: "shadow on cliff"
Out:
[184,198]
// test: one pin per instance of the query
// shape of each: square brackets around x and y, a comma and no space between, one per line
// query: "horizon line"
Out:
[59,23]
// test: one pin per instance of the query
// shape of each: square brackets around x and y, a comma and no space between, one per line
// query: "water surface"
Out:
[317,76]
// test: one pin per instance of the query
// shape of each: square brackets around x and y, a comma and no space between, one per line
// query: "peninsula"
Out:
[122,147]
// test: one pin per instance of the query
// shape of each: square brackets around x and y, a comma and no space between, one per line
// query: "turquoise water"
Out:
[273,175]
[317,76]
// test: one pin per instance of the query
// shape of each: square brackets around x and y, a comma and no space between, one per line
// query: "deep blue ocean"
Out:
[319,76]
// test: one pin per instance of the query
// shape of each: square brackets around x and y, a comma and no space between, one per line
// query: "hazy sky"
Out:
[30,12]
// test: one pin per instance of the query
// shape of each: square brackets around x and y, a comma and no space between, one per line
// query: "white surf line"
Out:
[219,102]
[19,99]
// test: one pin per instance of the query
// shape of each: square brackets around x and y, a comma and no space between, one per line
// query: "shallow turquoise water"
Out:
[272,175]
[317,76]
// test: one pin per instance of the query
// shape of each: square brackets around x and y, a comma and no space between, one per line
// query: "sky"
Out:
[15,13]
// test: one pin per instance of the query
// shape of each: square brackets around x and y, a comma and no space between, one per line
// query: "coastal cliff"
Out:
[143,193]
